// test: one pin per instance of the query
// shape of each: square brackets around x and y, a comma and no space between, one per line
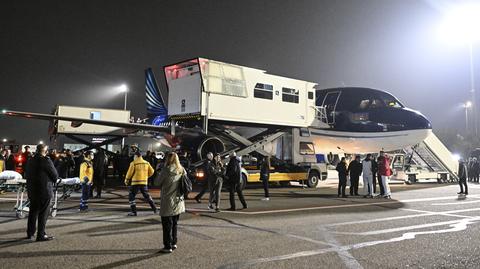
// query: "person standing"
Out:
[2,162]
[61,165]
[86,179]
[216,189]
[233,175]
[209,178]
[470,169]
[153,162]
[380,160]
[137,179]
[171,203]
[99,170]
[70,161]
[462,177]
[476,170]
[342,177]
[367,171]
[9,161]
[385,172]
[354,170]
[265,176]
[40,175]
[374,173]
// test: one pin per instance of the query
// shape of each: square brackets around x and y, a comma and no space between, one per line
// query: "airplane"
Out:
[356,119]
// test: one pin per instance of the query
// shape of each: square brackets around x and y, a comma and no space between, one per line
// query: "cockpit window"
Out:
[378,100]
[389,100]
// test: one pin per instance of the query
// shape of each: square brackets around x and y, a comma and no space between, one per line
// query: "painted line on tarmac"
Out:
[458,203]
[347,258]
[457,227]
[435,213]
[412,227]
[345,206]
[424,214]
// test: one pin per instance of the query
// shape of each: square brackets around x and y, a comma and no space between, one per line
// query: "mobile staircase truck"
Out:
[247,111]
[427,160]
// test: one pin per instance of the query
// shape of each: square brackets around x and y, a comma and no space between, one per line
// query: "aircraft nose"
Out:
[418,121]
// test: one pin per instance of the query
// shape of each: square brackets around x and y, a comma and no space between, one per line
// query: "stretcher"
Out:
[19,186]
[63,188]
[8,175]
[67,186]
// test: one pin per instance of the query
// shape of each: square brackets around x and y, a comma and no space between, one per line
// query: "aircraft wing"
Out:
[79,121]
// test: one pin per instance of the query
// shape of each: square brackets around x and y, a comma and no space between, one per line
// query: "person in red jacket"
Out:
[385,172]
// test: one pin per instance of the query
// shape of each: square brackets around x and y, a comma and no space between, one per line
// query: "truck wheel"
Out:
[313,179]
[412,178]
[20,214]
[243,182]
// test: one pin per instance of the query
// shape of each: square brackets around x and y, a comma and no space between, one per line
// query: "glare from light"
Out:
[456,157]
[123,88]
[461,24]
[468,104]
[158,144]
[4,111]
[40,142]
[4,140]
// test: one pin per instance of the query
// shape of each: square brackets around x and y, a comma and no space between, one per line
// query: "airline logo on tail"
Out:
[156,108]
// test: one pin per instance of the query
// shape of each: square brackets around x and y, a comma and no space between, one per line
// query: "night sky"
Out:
[77,52]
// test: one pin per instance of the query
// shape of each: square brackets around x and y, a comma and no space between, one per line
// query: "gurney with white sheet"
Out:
[65,187]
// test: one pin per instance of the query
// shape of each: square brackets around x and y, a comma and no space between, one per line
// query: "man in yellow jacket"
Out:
[86,178]
[136,180]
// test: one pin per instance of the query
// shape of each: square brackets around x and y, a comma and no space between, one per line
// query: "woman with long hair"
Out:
[171,203]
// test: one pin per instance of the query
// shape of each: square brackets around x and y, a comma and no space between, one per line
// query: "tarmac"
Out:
[425,225]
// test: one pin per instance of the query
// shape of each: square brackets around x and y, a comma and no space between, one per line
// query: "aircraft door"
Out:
[330,103]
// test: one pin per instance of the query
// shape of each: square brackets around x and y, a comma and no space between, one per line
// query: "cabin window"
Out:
[263,91]
[95,115]
[307,148]
[290,95]
[310,95]
[224,79]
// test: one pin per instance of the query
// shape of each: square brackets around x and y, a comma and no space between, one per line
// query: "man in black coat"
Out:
[100,165]
[233,175]
[355,170]
[462,177]
[209,172]
[41,175]
[9,161]
[342,177]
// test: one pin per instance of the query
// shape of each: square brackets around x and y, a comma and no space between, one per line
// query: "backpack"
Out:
[185,185]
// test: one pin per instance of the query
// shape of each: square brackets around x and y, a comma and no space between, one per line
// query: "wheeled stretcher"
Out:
[63,188]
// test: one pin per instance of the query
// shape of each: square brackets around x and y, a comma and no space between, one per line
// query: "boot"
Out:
[133,209]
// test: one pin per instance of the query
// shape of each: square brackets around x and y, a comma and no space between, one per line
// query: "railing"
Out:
[321,113]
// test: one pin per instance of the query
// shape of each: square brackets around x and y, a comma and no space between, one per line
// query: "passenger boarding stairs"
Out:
[433,154]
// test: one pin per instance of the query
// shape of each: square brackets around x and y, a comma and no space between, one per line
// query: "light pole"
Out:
[467,105]
[472,91]
[123,88]
[461,24]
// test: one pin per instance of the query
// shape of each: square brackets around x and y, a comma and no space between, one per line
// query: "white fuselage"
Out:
[358,142]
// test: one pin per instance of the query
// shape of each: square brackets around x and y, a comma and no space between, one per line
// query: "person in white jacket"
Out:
[368,176]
